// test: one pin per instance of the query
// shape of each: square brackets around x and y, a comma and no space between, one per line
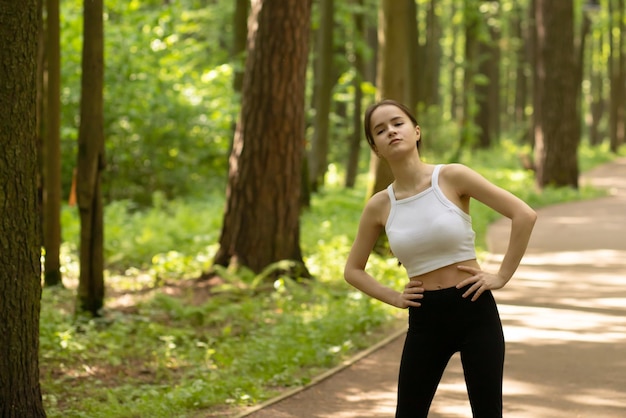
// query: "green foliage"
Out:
[170,357]
[169,239]
[169,106]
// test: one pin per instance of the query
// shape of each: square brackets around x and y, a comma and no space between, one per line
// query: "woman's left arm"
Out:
[469,183]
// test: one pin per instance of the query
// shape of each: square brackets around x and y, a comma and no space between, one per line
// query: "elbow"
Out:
[529,217]
[532,216]
[349,275]
[524,218]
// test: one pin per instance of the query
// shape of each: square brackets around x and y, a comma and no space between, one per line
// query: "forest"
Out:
[181,180]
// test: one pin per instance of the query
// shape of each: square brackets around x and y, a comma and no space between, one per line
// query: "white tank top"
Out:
[427,231]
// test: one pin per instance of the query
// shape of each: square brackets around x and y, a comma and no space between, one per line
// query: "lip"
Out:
[393,141]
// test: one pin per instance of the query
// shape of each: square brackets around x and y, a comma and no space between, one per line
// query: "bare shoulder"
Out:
[380,200]
[456,170]
[461,174]
[377,207]
[466,181]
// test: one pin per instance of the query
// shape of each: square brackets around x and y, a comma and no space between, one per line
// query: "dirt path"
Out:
[564,318]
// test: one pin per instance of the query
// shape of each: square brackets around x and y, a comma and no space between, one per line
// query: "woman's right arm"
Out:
[370,227]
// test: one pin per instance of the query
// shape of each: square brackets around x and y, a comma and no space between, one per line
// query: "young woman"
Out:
[425,214]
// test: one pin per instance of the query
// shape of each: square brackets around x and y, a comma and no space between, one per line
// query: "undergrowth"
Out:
[170,346]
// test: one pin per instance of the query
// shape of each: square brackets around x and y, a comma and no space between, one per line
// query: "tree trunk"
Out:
[557,134]
[90,298]
[240,34]
[617,74]
[537,66]
[52,146]
[468,119]
[416,72]
[455,107]
[42,80]
[352,167]
[522,35]
[261,220]
[323,85]
[371,66]
[20,275]
[432,62]
[580,47]
[596,93]
[393,73]
[488,88]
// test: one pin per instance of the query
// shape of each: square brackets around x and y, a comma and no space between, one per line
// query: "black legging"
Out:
[444,324]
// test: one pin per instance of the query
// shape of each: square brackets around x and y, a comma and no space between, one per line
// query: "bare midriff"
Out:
[445,277]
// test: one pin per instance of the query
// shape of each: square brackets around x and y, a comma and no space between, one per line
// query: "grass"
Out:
[171,346]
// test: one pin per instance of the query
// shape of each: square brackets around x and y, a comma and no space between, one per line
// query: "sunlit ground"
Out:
[564,319]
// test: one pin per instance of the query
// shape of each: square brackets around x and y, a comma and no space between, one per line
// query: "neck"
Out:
[409,173]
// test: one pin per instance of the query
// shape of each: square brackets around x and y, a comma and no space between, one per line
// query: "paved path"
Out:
[564,318]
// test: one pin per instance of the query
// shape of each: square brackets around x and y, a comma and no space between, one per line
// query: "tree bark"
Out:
[393,73]
[52,146]
[488,89]
[41,108]
[468,130]
[323,85]
[261,220]
[90,298]
[455,106]
[240,34]
[432,61]
[523,41]
[557,130]
[617,74]
[596,94]
[357,126]
[20,275]
[416,73]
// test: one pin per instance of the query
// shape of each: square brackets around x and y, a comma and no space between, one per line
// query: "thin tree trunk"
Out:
[596,94]
[488,90]
[432,62]
[558,134]
[468,122]
[240,34]
[455,107]
[90,298]
[352,166]
[318,156]
[42,81]
[521,33]
[617,74]
[393,73]
[371,66]
[538,69]
[52,144]
[580,47]
[416,52]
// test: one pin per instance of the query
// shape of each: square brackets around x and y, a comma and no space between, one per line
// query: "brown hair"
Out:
[367,120]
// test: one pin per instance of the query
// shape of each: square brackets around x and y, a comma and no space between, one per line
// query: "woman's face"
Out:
[392,130]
